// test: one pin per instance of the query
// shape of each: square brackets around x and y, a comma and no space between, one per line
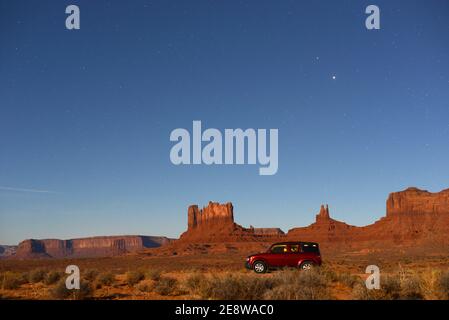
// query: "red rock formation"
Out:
[325,229]
[414,218]
[415,201]
[213,214]
[215,223]
[86,247]
[267,231]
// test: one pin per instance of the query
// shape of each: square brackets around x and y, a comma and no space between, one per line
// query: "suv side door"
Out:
[278,254]
[293,255]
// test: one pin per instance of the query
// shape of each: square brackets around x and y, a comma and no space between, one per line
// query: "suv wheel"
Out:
[259,267]
[306,265]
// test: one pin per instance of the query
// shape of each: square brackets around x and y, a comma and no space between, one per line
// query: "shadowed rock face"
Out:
[7,251]
[87,247]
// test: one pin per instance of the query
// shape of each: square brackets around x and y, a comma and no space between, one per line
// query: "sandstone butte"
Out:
[414,218]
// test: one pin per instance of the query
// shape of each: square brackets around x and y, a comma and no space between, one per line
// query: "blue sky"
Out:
[85,116]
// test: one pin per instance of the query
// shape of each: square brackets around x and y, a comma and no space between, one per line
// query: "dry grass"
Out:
[105,279]
[52,277]
[153,274]
[300,285]
[37,275]
[443,285]
[61,292]
[166,286]
[90,274]
[222,277]
[11,281]
[134,277]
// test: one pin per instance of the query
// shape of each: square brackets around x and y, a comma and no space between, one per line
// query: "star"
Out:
[334,77]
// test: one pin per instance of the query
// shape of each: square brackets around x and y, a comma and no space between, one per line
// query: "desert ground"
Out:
[216,271]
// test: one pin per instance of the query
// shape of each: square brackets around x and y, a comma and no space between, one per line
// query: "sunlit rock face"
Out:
[87,247]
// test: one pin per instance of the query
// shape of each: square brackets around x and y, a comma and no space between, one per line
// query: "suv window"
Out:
[310,247]
[279,249]
[294,248]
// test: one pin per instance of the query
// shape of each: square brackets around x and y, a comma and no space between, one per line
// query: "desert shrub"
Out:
[232,287]
[390,288]
[60,291]
[134,277]
[300,285]
[360,292]
[330,274]
[106,279]
[443,285]
[91,274]
[145,286]
[11,281]
[411,288]
[194,282]
[166,286]
[37,275]
[429,284]
[154,275]
[348,279]
[52,277]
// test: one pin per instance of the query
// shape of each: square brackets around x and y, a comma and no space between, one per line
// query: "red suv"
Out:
[303,255]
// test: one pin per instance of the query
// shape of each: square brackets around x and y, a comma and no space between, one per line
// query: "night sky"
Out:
[86,115]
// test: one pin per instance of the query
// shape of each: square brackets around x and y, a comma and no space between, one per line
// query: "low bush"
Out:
[106,279]
[134,277]
[232,287]
[60,291]
[194,282]
[392,287]
[348,279]
[52,277]
[411,288]
[443,285]
[11,281]
[165,286]
[91,274]
[37,275]
[300,285]
[154,275]
[145,286]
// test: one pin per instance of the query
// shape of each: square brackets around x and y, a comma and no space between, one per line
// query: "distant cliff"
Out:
[7,251]
[87,247]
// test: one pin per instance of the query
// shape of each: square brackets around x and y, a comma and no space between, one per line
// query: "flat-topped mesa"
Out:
[214,213]
[266,231]
[323,215]
[416,201]
[87,247]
